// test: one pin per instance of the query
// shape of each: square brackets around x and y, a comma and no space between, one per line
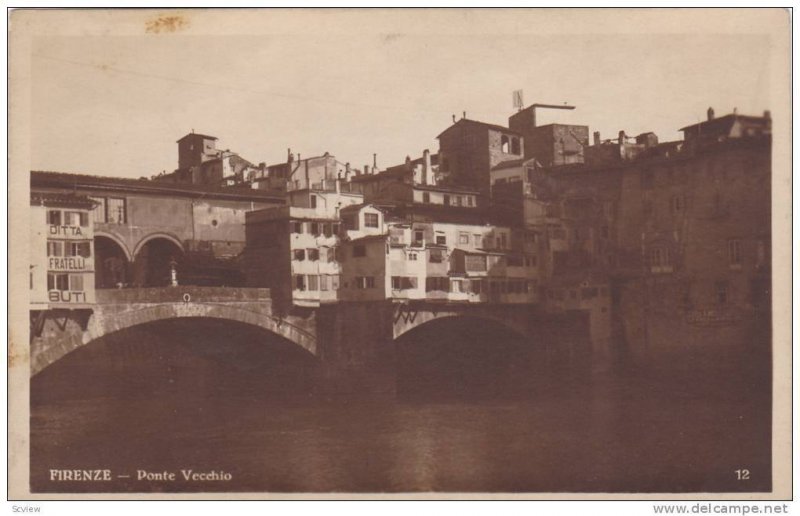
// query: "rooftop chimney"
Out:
[767,114]
[464,114]
[426,167]
[735,111]
[366,169]
[621,137]
[710,113]
[647,139]
[596,137]
[347,170]
[454,119]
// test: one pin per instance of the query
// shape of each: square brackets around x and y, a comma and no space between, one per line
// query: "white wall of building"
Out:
[55,261]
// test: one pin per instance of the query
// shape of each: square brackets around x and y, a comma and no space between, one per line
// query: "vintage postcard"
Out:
[403,253]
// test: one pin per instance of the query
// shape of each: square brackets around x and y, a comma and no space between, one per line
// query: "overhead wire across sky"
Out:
[303,98]
[357,95]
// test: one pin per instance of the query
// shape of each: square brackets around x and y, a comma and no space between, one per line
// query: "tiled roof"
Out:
[357,207]
[420,212]
[446,188]
[42,179]
[392,173]
[510,164]
[382,236]
[482,252]
[61,199]
[298,160]
[419,161]
[205,136]
[483,124]
[724,123]
[396,171]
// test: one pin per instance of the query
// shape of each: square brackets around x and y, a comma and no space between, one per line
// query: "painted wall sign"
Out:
[711,318]
[69,231]
[66,296]
[69,263]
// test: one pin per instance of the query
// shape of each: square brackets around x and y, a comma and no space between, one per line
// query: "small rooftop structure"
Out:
[197,136]
[733,125]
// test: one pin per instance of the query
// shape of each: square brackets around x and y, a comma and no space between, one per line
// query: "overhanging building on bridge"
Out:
[371,252]
[293,249]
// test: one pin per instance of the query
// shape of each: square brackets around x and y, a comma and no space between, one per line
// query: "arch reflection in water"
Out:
[168,395]
[465,357]
[208,395]
[183,357]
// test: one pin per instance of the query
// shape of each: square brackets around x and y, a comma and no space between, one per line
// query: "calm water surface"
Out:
[164,406]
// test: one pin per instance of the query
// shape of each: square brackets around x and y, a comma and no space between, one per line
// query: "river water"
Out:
[148,400]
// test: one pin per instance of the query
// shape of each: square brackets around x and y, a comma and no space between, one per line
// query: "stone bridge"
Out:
[57,332]
[354,343]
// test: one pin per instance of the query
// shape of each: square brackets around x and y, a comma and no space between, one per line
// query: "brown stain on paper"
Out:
[166,24]
[16,356]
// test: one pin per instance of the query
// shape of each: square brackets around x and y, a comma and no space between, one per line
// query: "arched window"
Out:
[515,146]
[504,144]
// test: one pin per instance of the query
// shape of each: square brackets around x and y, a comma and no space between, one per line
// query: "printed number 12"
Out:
[742,474]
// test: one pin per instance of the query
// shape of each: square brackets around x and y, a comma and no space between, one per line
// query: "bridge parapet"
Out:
[181,294]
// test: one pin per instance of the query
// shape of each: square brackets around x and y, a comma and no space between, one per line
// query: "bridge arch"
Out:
[102,323]
[465,355]
[106,321]
[406,320]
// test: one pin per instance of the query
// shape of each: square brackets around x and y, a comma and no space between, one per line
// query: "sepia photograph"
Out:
[404,253]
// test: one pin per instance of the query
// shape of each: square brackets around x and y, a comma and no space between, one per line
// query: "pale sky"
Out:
[115,105]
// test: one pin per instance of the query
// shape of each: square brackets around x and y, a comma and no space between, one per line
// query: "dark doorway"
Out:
[154,263]
[112,269]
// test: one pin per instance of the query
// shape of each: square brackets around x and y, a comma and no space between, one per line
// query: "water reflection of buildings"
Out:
[659,242]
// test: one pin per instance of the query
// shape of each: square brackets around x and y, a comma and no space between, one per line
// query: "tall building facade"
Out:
[469,149]
[62,252]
